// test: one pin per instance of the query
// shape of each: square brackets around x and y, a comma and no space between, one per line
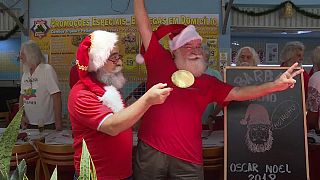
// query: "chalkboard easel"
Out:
[265,138]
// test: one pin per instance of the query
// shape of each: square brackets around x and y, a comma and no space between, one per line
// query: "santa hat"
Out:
[180,34]
[256,114]
[93,52]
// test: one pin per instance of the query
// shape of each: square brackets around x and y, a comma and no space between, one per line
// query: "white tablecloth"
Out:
[50,136]
[214,140]
[59,137]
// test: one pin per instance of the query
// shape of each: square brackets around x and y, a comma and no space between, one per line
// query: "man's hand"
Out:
[158,93]
[286,79]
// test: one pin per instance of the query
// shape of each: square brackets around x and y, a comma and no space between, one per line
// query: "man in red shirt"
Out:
[97,112]
[170,133]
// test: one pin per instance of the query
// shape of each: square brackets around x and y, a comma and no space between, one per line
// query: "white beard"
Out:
[256,148]
[196,67]
[245,64]
[115,79]
[25,68]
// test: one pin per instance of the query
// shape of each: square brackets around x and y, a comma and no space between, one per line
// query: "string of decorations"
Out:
[276,8]
[12,31]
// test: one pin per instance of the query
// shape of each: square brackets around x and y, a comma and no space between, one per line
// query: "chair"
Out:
[10,102]
[4,119]
[213,162]
[52,155]
[30,155]
[13,107]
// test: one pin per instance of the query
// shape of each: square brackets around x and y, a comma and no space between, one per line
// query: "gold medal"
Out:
[182,78]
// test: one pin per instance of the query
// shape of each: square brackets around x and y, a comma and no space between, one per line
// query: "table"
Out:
[216,138]
[52,137]
[49,136]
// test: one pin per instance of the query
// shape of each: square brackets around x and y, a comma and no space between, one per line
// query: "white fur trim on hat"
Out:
[112,99]
[102,43]
[256,114]
[139,59]
[186,35]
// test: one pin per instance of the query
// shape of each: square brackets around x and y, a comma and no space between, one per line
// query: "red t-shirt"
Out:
[111,155]
[174,127]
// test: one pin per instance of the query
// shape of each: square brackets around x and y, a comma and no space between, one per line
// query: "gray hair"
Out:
[255,56]
[32,52]
[290,49]
[315,57]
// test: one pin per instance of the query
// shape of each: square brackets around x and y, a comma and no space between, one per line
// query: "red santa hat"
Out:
[180,34]
[256,114]
[92,53]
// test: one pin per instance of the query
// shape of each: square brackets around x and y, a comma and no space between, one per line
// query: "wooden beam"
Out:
[226,17]
[15,18]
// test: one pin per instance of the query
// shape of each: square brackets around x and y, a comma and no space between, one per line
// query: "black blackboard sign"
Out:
[265,137]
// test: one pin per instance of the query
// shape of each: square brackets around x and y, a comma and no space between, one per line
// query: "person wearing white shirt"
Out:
[40,94]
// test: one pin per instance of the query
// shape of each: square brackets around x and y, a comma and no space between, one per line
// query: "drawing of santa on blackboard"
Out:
[258,137]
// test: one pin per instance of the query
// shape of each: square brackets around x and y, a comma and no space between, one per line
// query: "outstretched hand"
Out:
[286,79]
[158,93]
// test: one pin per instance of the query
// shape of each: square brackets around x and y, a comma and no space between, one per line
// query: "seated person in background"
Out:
[294,52]
[213,114]
[314,67]
[313,101]
[97,112]
[247,56]
[40,93]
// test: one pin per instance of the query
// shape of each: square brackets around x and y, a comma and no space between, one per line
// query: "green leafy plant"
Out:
[87,168]
[7,142]
[8,139]
[20,172]
[54,175]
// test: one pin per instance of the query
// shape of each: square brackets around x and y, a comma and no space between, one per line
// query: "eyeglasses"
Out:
[114,58]
[189,47]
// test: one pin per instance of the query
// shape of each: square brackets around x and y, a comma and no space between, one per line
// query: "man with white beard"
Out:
[97,112]
[170,133]
[40,94]
[247,56]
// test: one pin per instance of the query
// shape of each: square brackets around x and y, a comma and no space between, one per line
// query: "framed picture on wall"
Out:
[272,53]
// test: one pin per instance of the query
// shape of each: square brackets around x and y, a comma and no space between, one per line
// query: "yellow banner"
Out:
[59,38]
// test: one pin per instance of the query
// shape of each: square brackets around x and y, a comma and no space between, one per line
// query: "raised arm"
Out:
[127,117]
[142,22]
[251,92]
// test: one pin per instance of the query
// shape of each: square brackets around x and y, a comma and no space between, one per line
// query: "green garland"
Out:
[280,6]
[12,31]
